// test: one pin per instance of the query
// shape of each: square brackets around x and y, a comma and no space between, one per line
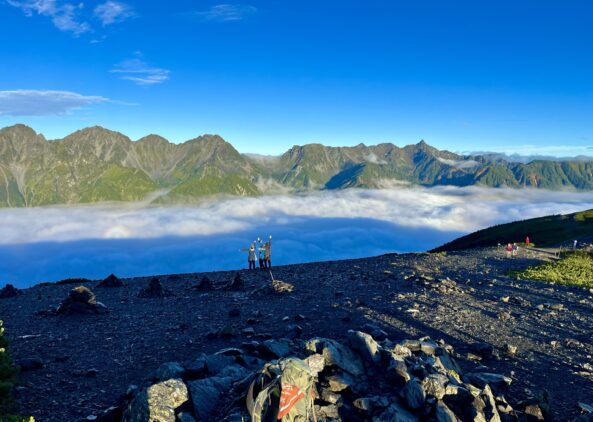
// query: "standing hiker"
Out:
[574,245]
[268,253]
[509,249]
[251,254]
[527,242]
[515,249]
[262,254]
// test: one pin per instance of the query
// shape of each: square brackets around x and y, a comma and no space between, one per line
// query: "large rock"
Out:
[413,394]
[481,379]
[168,370]
[81,300]
[157,403]
[444,414]
[207,394]
[336,354]
[275,348]
[396,413]
[364,344]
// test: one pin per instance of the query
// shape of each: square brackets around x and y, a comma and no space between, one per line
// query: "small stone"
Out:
[510,349]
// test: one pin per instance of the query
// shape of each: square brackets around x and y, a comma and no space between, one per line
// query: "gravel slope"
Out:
[89,360]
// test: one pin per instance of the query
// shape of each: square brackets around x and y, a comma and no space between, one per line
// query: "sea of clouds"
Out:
[52,243]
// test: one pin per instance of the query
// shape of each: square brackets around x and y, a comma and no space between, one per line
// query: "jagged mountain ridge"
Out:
[96,164]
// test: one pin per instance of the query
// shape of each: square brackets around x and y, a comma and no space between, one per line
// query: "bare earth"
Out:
[90,360]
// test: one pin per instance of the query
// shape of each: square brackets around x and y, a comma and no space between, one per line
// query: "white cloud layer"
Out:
[63,15]
[92,241]
[227,12]
[139,72]
[112,12]
[28,102]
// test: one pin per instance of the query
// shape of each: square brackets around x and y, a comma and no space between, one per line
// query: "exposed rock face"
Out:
[81,300]
[111,281]
[9,291]
[154,290]
[352,384]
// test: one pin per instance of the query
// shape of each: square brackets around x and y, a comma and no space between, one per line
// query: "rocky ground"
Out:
[78,365]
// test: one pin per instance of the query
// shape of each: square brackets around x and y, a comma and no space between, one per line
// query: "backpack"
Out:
[282,391]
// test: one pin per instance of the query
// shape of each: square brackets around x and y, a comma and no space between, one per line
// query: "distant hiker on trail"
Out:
[574,245]
[527,242]
[509,249]
[251,255]
[515,249]
[268,254]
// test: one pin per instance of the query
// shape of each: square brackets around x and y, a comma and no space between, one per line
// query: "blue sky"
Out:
[463,75]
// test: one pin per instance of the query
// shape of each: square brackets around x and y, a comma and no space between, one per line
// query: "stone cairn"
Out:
[111,281]
[9,291]
[154,290]
[81,300]
[363,380]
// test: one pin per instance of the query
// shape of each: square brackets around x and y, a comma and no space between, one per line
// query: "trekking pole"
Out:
[271,275]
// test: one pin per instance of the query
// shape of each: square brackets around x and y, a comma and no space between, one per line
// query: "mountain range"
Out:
[96,164]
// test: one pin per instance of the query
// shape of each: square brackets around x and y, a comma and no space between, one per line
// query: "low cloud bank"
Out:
[47,244]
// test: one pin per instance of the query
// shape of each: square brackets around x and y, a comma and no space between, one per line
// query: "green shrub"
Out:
[574,269]
[7,374]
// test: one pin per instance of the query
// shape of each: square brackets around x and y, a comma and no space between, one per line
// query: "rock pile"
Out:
[81,300]
[365,380]
[154,290]
[111,281]
[9,291]
[204,284]
[236,283]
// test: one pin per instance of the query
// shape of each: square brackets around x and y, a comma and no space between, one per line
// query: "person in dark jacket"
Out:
[268,254]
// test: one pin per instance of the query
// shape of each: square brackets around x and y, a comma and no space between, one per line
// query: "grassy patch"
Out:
[574,269]
[7,375]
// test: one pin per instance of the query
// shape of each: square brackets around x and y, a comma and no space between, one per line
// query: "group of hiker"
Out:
[262,251]
[512,249]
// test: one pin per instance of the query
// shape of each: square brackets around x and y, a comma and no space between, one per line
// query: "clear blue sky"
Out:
[463,75]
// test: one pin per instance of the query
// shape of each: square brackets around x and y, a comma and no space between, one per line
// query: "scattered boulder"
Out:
[111,282]
[168,370]
[9,291]
[363,343]
[154,290]
[206,394]
[157,402]
[281,287]
[81,300]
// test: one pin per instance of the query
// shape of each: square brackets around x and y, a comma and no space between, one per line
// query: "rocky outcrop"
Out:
[353,382]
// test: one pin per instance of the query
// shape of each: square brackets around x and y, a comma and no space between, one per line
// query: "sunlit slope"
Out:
[552,230]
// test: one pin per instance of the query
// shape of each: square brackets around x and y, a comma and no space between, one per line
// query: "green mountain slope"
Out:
[552,230]
[96,164]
